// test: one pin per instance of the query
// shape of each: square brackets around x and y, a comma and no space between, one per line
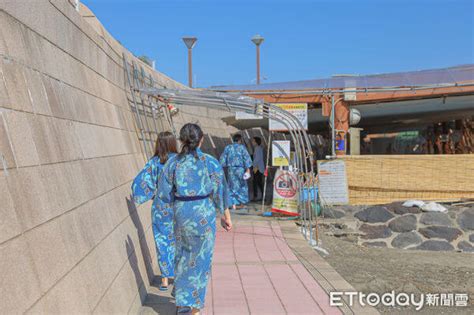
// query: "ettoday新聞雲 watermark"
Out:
[394,299]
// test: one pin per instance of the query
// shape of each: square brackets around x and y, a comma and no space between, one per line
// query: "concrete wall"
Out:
[70,242]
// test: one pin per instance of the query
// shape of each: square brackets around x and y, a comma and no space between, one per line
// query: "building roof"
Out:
[433,77]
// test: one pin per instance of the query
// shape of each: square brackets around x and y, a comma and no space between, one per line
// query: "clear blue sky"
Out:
[304,39]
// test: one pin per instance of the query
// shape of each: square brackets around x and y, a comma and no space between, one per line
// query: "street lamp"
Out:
[258,40]
[190,41]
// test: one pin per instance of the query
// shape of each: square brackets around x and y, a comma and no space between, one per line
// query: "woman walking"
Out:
[195,183]
[144,188]
[238,162]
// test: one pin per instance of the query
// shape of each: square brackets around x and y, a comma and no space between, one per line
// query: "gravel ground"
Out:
[382,270]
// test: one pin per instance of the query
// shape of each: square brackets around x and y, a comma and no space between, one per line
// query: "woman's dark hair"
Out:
[236,138]
[165,143]
[257,140]
[190,136]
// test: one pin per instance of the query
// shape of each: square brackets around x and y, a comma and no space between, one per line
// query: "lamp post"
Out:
[258,40]
[190,42]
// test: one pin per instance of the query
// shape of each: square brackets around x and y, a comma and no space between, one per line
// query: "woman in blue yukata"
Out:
[238,162]
[195,183]
[144,188]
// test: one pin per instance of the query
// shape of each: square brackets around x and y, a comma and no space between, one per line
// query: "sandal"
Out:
[184,310]
[163,288]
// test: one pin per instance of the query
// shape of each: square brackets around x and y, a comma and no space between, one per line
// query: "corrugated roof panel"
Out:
[452,75]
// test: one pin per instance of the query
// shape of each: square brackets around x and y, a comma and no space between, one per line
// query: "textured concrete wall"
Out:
[70,242]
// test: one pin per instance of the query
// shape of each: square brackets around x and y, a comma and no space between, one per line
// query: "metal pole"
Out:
[333,128]
[258,64]
[190,67]
[258,40]
[266,169]
[137,113]
[141,83]
[361,90]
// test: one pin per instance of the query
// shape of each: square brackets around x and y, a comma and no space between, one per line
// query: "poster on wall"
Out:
[299,110]
[280,152]
[285,193]
[333,189]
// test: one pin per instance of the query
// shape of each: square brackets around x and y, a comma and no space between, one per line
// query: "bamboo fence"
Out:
[379,179]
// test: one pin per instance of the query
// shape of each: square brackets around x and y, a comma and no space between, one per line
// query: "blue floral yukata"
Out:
[144,188]
[196,185]
[236,158]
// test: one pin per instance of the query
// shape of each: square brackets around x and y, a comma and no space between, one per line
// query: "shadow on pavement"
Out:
[159,302]
[133,261]
[132,209]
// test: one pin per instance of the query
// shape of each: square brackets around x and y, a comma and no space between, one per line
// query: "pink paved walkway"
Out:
[255,272]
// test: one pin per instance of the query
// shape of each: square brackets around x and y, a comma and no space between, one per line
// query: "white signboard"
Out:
[280,152]
[246,116]
[333,188]
[350,94]
[299,110]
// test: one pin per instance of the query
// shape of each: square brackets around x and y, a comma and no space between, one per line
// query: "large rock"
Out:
[333,214]
[404,240]
[435,218]
[375,231]
[398,208]
[405,223]
[435,245]
[375,244]
[466,219]
[447,233]
[466,247]
[374,214]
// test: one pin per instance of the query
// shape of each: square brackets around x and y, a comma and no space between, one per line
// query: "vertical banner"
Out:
[299,110]
[285,193]
[280,153]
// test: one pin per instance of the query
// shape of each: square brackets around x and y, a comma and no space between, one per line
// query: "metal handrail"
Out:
[234,102]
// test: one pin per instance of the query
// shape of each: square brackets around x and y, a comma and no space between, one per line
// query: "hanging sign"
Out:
[285,193]
[280,152]
[333,188]
[299,110]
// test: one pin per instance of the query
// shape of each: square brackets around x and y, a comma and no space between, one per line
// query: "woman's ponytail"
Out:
[190,136]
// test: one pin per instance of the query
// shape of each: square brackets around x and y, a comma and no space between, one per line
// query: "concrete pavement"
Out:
[256,272]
